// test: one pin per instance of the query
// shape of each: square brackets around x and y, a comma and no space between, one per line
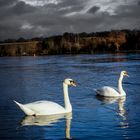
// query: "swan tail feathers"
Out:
[98,92]
[26,110]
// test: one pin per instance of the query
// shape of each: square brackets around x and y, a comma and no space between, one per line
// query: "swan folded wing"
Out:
[106,91]
[45,108]
[25,109]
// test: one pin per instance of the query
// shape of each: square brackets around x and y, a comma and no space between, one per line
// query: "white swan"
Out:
[111,92]
[48,107]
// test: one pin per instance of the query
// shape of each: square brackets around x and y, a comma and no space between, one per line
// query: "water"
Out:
[27,79]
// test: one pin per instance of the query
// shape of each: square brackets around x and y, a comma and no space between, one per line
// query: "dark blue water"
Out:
[28,79]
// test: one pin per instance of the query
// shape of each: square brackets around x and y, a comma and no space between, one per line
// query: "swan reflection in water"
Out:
[121,111]
[48,121]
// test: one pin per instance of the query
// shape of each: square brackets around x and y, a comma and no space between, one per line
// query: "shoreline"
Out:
[68,54]
[70,43]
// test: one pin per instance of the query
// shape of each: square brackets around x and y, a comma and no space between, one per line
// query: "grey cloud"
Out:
[50,19]
[19,8]
[22,8]
[128,11]
[65,3]
[127,17]
[94,9]
[7,2]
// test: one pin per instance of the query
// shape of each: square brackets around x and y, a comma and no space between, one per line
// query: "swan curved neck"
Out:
[120,88]
[68,106]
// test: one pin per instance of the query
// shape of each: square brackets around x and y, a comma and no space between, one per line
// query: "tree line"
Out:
[74,43]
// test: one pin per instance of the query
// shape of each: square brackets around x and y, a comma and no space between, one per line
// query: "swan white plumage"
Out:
[111,92]
[47,107]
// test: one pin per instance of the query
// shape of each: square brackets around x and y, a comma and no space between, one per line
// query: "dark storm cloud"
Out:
[22,8]
[93,9]
[138,2]
[19,8]
[21,19]
[7,2]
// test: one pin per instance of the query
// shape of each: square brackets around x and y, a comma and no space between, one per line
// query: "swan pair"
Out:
[52,108]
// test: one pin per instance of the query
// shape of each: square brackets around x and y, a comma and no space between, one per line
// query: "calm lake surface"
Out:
[28,79]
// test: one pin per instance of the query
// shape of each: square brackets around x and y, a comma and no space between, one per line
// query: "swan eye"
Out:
[73,83]
[126,73]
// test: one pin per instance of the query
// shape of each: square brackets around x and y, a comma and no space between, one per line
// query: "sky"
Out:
[42,18]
